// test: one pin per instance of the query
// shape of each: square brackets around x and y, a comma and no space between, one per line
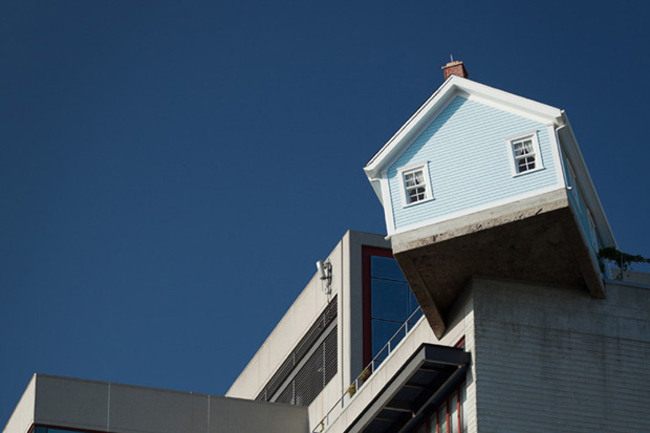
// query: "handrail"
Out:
[365,374]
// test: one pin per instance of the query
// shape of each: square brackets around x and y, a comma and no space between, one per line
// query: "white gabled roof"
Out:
[452,87]
[518,105]
[583,178]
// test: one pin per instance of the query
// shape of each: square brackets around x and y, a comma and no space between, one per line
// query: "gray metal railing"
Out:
[361,379]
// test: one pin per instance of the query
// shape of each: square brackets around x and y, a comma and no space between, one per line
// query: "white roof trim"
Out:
[572,149]
[457,86]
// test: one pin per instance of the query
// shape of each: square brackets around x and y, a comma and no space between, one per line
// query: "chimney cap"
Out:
[455,68]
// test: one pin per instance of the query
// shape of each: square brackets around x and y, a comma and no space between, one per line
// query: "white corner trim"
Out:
[557,156]
[539,163]
[388,204]
[402,171]
[375,183]
[573,154]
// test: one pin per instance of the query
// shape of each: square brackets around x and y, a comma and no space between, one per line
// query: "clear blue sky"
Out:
[172,170]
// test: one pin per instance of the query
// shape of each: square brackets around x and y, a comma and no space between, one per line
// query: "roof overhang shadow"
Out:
[419,386]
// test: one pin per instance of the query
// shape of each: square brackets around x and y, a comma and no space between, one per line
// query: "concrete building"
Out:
[487,310]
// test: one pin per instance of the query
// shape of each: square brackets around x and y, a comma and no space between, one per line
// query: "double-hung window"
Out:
[416,185]
[525,155]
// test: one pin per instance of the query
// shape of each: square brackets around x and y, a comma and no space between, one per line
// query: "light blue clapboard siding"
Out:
[469,161]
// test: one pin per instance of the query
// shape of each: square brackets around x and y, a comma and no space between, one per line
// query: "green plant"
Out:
[365,374]
[622,260]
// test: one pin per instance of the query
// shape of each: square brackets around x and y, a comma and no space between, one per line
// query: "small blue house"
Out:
[483,182]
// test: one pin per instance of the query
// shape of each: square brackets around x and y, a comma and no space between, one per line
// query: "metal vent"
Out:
[331,356]
[317,371]
[296,356]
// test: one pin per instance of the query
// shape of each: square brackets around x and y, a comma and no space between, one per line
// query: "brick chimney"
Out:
[455,68]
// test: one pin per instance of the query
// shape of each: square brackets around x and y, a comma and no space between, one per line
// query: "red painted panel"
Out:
[366,254]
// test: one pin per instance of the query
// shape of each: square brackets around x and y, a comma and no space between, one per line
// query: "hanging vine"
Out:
[622,260]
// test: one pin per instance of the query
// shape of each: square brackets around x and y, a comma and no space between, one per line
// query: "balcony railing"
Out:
[338,408]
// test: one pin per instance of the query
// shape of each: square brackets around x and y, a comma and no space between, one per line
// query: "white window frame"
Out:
[428,193]
[539,165]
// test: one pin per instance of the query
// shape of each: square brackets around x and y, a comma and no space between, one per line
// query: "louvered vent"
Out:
[310,380]
[294,377]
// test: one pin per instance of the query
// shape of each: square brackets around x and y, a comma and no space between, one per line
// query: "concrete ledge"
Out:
[537,240]
[479,221]
[102,406]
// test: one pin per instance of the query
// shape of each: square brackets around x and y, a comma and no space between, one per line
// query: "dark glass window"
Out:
[388,300]
[39,429]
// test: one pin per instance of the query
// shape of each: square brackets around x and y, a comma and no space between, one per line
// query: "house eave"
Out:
[376,187]
[452,87]
[570,145]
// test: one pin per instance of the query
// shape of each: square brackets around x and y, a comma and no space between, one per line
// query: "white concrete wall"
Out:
[554,359]
[291,329]
[287,334]
[347,285]
[23,416]
[102,406]
[462,325]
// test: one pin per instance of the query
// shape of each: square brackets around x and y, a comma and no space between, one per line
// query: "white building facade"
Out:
[486,310]
[515,357]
